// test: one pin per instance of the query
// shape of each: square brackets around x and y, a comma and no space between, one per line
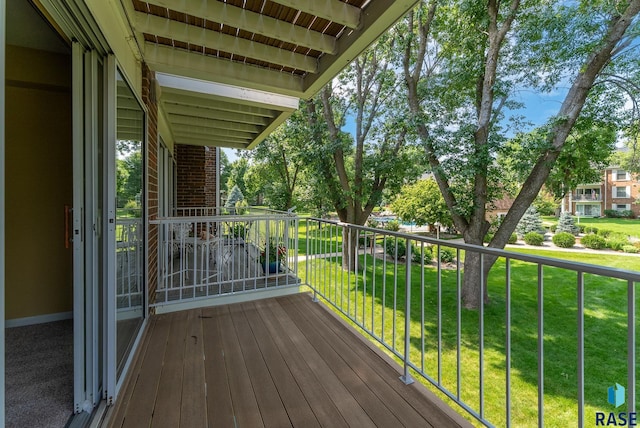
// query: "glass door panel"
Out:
[129,172]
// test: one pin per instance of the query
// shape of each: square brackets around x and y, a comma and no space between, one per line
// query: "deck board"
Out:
[219,401]
[276,362]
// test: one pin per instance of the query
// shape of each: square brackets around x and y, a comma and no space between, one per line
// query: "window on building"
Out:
[621,192]
[622,207]
[621,175]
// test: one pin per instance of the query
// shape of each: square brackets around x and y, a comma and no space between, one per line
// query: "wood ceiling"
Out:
[231,71]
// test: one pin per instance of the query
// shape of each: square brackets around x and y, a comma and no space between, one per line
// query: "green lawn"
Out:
[605,331]
[626,226]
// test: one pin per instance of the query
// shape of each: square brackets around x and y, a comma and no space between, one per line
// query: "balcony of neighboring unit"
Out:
[587,197]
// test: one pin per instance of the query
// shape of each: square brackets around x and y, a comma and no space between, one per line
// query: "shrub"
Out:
[396,251]
[581,228]
[630,249]
[564,240]
[616,244]
[567,225]
[418,257]
[372,222]
[132,208]
[365,240]
[595,242]
[487,238]
[604,232]
[447,255]
[534,238]
[553,228]
[590,229]
[513,238]
[612,213]
[393,225]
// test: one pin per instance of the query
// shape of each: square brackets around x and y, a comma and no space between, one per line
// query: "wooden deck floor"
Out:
[277,362]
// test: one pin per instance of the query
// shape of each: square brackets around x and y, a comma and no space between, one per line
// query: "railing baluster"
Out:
[507,355]
[439,315]
[406,377]
[540,347]
[458,325]
[631,346]
[481,335]
[580,374]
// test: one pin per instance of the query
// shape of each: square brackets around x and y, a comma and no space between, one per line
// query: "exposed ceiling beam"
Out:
[377,17]
[332,10]
[172,109]
[183,32]
[188,98]
[251,21]
[269,129]
[167,59]
[214,124]
[227,93]
[216,138]
[209,142]
[204,132]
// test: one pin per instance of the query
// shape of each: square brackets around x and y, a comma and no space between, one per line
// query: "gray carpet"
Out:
[39,375]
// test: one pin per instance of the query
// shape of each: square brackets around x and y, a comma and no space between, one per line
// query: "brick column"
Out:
[196,180]
[149,99]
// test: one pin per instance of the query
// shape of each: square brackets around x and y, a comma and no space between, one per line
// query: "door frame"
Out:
[2,204]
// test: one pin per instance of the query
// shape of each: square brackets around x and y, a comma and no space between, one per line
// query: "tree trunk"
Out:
[475,275]
[349,249]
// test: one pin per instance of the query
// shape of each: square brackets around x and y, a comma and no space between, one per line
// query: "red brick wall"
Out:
[196,180]
[149,99]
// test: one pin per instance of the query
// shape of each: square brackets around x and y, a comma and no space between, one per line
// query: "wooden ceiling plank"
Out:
[163,27]
[251,21]
[331,10]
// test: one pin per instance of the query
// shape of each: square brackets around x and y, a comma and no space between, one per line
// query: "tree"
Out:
[566,224]
[235,196]
[225,170]
[462,64]
[356,168]
[237,171]
[530,222]
[422,203]
[279,161]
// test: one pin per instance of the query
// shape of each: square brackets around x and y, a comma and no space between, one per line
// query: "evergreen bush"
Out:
[534,238]
[447,255]
[392,226]
[595,242]
[417,255]
[513,238]
[630,249]
[530,222]
[396,251]
[564,240]
[567,224]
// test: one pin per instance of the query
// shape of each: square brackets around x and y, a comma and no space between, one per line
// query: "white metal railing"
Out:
[129,263]
[220,211]
[203,257]
[508,363]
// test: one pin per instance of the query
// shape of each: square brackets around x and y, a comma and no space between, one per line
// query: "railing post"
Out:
[406,377]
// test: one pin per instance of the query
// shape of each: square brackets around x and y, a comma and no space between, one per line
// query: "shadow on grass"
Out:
[605,333]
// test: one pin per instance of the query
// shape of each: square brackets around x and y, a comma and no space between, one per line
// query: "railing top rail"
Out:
[225,218]
[623,274]
[221,210]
